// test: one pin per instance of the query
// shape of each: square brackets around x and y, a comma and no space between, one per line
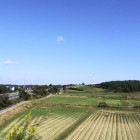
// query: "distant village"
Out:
[12,94]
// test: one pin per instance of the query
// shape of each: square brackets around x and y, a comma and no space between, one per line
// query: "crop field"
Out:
[77,100]
[97,92]
[100,125]
[76,116]
[50,121]
[71,100]
[103,125]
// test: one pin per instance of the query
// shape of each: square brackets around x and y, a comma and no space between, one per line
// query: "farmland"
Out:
[77,100]
[103,125]
[50,121]
[76,116]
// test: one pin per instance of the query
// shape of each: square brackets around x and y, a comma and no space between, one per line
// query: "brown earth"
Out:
[65,105]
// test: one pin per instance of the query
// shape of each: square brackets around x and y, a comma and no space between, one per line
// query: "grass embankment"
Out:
[9,114]
[26,106]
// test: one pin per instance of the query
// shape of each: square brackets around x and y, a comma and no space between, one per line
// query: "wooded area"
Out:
[121,86]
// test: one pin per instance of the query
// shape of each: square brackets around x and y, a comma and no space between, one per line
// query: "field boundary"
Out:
[66,105]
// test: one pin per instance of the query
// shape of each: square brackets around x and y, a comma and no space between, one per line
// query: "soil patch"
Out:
[65,105]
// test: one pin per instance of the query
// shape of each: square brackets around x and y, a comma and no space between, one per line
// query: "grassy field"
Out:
[97,92]
[84,101]
[76,116]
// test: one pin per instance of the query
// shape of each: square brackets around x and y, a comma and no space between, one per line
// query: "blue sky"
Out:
[69,41]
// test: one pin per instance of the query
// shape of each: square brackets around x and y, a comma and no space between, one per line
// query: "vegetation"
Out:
[40,91]
[103,104]
[37,92]
[121,86]
[93,102]
[73,88]
[23,130]
[67,131]
[4,101]
[50,121]
[88,113]
[53,90]
[23,95]
[4,89]
[108,125]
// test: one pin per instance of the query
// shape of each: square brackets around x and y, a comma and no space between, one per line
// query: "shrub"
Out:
[78,89]
[103,104]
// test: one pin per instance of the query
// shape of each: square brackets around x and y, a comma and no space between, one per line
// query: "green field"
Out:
[97,92]
[84,101]
[76,116]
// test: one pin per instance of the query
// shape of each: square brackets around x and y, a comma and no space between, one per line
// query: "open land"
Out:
[75,115]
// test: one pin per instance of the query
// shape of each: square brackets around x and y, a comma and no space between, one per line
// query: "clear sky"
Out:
[69,41]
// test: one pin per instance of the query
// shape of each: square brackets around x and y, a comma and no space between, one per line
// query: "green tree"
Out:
[4,89]
[23,95]
[64,87]
[4,100]
[121,86]
[54,89]
[40,91]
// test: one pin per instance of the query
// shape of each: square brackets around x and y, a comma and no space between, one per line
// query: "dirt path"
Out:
[12,107]
[19,104]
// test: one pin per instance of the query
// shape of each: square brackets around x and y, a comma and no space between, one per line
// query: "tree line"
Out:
[121,86]
[38,91]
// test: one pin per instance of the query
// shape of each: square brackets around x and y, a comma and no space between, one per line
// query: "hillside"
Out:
[76,114]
